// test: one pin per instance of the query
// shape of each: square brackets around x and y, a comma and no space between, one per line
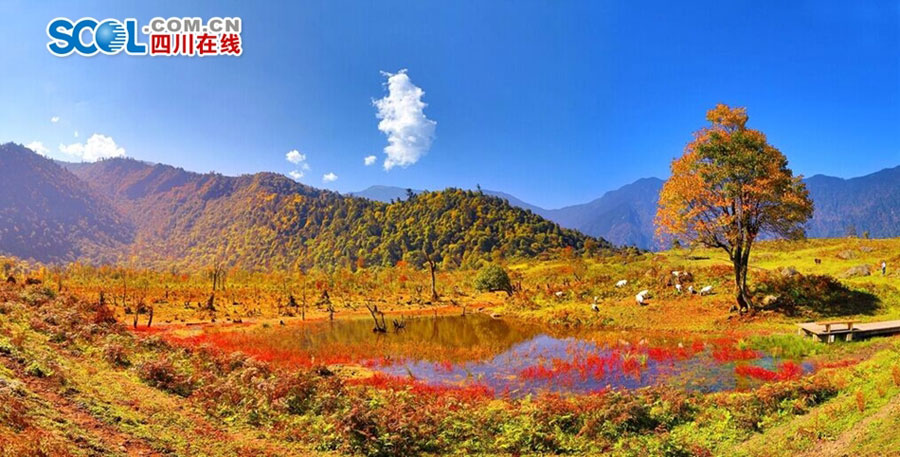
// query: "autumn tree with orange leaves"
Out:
[729,186]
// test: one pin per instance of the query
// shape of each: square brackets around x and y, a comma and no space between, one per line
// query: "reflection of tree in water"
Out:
[454,338]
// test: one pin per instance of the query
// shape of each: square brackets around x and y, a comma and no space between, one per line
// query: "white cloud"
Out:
[97,147]
[38,147]
[329,177]
[403,120]
[54,119]
[369,160]
[296,157]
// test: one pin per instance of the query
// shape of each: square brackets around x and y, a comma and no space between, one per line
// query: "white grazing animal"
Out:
[645,293]
[560,294]
[639,298]
[706,290]
[691,290]
[676,273]
[595,308]
[622,283]
[678,287]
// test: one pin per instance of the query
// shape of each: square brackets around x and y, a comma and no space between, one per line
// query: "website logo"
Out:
[187,36]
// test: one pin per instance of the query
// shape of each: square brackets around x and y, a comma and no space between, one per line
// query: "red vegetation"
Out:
[726,350]
[786,371]
[469,392]
[284,357]
[631,360]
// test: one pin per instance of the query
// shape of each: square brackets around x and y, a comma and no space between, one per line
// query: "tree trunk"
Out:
[434,294]
[303,309]
[380,327]
[740,285]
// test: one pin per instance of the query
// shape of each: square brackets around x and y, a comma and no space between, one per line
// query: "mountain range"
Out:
[47,213]
[154,215]
[124,210]
[867,204]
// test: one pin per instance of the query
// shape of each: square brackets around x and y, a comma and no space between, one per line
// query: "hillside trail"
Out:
[838,447]
[110,439]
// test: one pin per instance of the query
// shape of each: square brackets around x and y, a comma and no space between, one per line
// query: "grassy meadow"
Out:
[77,377]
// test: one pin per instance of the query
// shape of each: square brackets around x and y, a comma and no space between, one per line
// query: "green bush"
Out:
[493,278]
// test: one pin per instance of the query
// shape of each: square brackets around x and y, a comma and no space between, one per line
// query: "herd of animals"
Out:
[642,298]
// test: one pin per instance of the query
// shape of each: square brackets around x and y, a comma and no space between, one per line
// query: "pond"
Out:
[515,358]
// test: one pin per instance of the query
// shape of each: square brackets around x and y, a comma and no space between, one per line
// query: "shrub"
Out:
[397,424]
[815,295]
[116,354]
[38,295]
[753,410]
[13,412]
[37,370]
[6,347]
[298,392]
[493,278]
[163,375]
[155,343]
[33,442]
[104,315]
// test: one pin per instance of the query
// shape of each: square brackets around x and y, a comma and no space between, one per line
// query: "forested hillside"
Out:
[47,214]
[267,220]
[867,204]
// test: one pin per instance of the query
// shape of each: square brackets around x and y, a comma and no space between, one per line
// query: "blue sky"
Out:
[555,102]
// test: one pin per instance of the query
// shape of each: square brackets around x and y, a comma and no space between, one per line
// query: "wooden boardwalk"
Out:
[848,330]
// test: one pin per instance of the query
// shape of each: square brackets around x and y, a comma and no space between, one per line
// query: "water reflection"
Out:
[449,332]
[517,358]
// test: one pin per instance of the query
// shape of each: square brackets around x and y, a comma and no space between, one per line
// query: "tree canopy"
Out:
[493,278]
[728,187]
